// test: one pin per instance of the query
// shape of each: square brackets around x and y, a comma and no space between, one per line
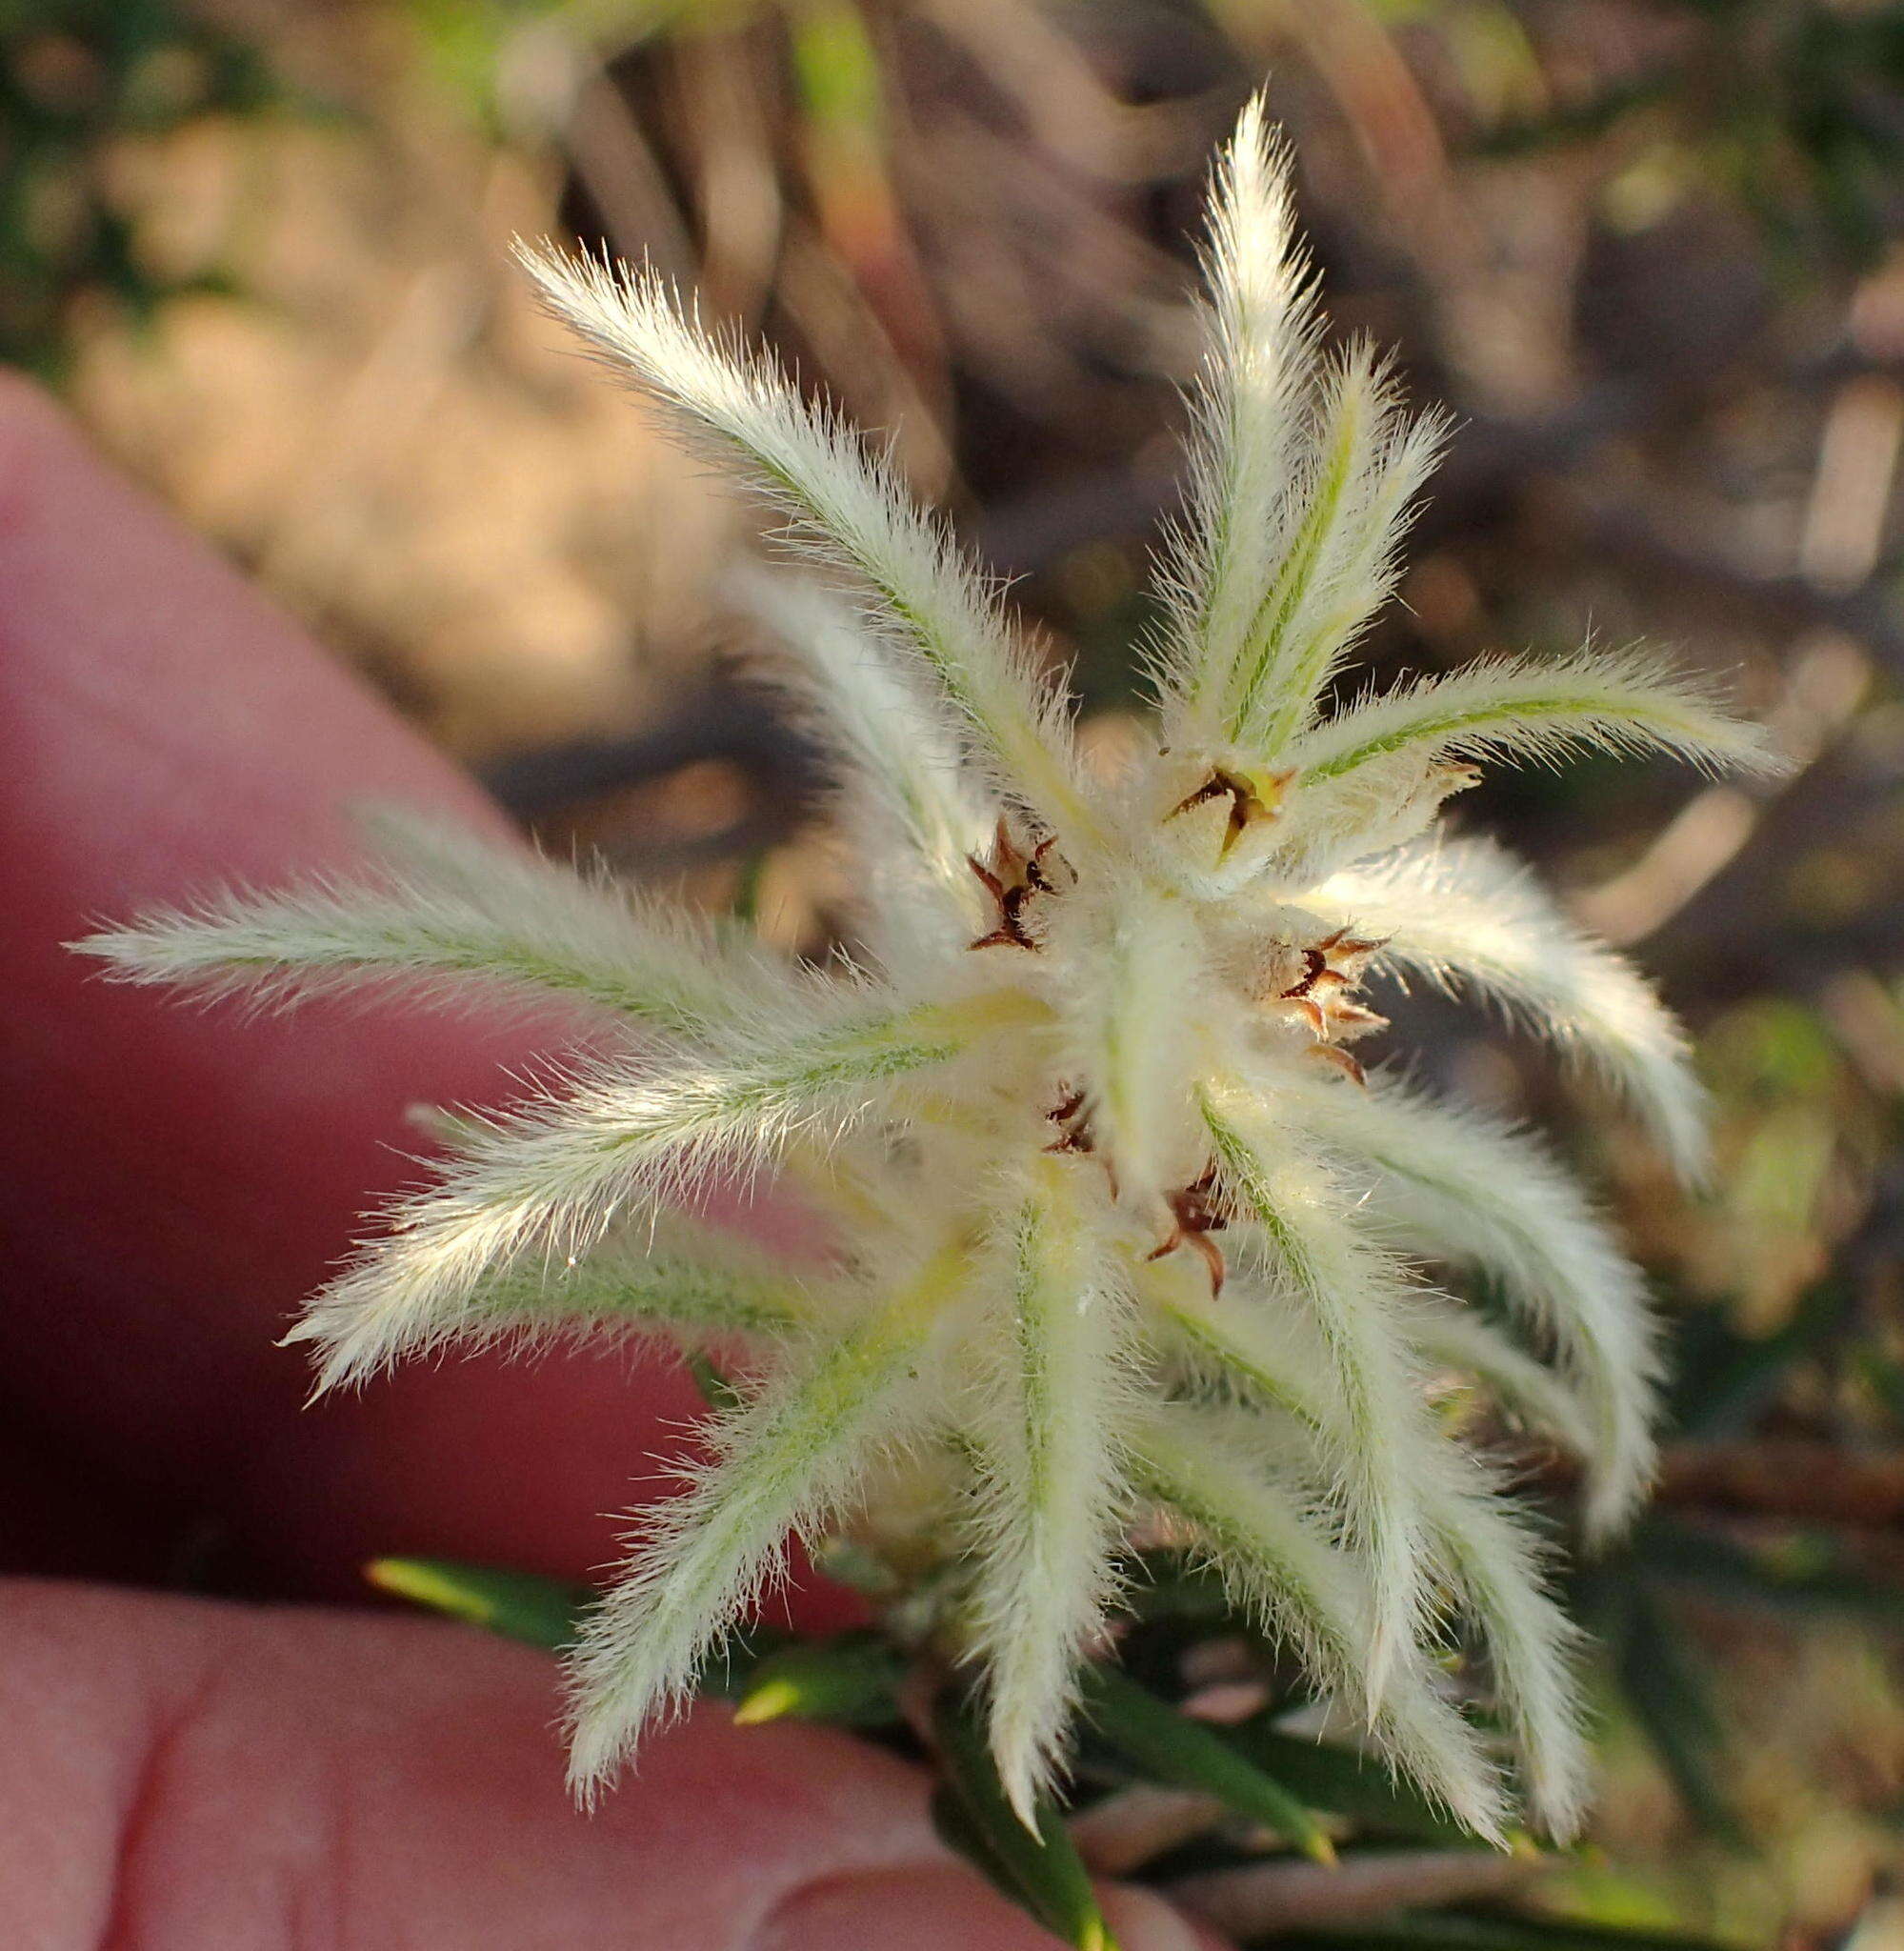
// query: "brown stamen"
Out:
[1312,1014]
[1196,1214]
[1073,1128]
[1012,880]
[1246,805]
[1342,1060]
[1315,966]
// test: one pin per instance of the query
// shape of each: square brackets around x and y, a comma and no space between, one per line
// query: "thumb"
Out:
[187,1777]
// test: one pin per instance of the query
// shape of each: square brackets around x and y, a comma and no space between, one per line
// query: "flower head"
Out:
[1124,1231]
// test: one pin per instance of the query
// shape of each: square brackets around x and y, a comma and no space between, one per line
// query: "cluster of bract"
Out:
[1122,1233]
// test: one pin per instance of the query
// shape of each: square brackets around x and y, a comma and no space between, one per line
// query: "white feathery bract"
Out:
[843,504]
[684,1283]
[1368,464]
[1252,1527]
[551,1180]
[1053,1396]
[1468,916]
[454,913]
[1534,709]
[910,811]
[1458,1341]
[1355,1296]
[1247,410]
[785,1462]
[1125,965]
[1498,1569]
[1457,1185]
[1121,1225]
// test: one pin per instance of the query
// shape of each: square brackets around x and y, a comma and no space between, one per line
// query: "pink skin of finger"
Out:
[185,1777]
[181,1176]
[185,1774]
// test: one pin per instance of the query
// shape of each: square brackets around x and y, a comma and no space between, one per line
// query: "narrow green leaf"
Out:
[1727,1380]
[745,907]
[733,1660]
[1799,1572]
[1043,1872]
[519,1605]
[1670,1693]
[717,1391]
[546,1613]
[1166,1585]
[1346,1783]
[965,1837]
[851,1680]
[1170,1747]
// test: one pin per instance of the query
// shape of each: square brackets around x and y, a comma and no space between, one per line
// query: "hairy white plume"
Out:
[1121,1225]
[1053,1396]
[915,817]
[843,503]
[1469,915]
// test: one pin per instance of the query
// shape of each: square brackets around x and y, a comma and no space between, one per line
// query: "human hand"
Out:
[224,1778]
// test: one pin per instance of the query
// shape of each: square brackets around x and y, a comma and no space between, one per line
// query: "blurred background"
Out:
[1650,251]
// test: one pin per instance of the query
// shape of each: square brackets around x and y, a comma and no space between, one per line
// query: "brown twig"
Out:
[1276,1896]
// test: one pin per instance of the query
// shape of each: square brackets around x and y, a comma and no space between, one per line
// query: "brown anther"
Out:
[1196,1214]
[1351,1019]
[1197,1207]
[1342,1060]
[1246,805]
[1212,1255]
[1012,880]
[1315,966]
[1319,996]
[1074,1133]
[993,885]
[1310,1013]
[1073,1128]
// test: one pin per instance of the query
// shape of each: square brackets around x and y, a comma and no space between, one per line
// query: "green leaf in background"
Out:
[1665,1685]
[1176,1606]
[1164,1586]
[851,1680]
[1346,1783]
[837,65]
[733,1660]
[745,907]
[1726,1379]
[717,1391]
[540,1612]
[546,1613]
[1042,1871]
[1800,1572]
[1170,1747]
